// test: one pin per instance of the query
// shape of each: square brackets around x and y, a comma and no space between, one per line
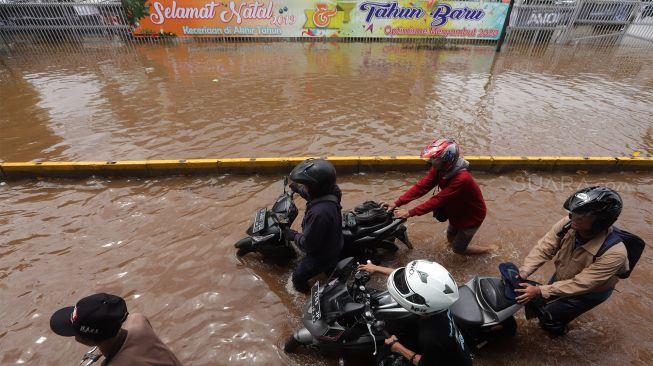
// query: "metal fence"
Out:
[592,22]
[55,22]
[100,24]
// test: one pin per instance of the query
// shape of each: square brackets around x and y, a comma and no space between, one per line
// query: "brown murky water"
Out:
[279,99]
[166,244]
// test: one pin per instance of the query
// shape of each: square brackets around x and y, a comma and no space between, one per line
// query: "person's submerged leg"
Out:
[461,240]
[304,271]
[556,315]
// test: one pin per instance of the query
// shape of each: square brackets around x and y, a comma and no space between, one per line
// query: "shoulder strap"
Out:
[614,238]
[561,234]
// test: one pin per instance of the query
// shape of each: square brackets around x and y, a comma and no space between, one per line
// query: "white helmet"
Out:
[423,287]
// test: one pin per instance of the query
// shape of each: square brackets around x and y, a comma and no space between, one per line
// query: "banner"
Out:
[307,18]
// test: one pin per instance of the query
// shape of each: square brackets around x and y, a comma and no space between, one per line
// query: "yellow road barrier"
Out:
[283,165]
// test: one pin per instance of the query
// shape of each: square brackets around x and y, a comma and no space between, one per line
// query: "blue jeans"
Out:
[558,313]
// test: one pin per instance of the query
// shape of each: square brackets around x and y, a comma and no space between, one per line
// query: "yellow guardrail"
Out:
[283,165]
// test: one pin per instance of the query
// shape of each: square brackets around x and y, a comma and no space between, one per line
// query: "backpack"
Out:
[634,246]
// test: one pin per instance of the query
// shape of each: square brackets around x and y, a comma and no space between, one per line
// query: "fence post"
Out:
[572,22]
[505,26]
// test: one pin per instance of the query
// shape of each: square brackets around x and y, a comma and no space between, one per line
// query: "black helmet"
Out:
[318,175]
[602,202]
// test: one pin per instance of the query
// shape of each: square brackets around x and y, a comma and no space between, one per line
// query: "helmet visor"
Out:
[401,285]
[399,280]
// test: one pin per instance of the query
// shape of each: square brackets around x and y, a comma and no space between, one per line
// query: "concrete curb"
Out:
[283,165]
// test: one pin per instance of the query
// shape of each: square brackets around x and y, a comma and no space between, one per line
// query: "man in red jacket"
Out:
[460,199]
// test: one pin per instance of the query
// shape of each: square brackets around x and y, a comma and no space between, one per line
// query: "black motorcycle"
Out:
[367,230]
[346,316]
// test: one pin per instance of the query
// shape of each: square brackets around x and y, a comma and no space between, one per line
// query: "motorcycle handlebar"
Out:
[90,357]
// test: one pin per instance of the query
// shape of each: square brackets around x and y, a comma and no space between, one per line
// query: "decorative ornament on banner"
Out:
[307,18]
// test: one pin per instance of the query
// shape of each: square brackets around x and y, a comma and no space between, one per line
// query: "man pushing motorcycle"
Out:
[321,237]
[458,201]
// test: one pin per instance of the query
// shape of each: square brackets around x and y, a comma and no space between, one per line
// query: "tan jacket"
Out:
[142,347]
[576,271]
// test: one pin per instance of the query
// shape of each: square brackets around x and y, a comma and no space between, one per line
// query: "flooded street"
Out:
[166,244]
[282,99]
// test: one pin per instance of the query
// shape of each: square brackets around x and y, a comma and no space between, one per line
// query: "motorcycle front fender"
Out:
[304,336]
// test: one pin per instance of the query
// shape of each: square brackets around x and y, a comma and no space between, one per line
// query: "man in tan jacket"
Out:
[102,321]
[582,279]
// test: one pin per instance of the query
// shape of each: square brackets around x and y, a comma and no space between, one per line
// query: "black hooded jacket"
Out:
[321,235]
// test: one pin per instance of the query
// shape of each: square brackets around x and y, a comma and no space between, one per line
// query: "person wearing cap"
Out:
[101,320]
[427,289]
[583,279]
[459,200]
[321,237]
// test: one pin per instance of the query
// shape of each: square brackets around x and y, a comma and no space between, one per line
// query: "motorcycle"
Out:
[90,357]
[346,316]
[366,230]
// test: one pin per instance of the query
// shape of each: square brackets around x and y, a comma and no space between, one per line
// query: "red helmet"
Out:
[444,149]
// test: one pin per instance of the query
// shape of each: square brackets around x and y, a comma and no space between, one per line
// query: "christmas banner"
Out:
[306,18]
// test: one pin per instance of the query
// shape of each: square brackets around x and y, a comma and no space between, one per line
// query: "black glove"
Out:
[289,234]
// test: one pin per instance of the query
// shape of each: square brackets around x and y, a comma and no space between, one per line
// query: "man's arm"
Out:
[543,251]
[313,237]
[428,182]
[609,264]
[456,186]
[373,268]
[396,347]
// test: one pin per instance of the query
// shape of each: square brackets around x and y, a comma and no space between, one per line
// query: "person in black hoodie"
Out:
[321,237]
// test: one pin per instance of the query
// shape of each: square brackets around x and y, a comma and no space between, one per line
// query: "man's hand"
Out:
[392,342]
[402,214]
[371,268]
[388,206]
[289,234]
[528,293]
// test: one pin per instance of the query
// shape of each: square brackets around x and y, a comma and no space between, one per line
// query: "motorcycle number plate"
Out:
[259,220]
[316,313]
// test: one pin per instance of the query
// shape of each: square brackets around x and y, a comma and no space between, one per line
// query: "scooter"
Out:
[366,230]
[346,316]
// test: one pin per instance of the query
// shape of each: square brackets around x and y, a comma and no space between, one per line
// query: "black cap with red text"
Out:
[96,317]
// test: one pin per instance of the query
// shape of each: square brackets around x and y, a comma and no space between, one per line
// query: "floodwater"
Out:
[166,244]
[278,99]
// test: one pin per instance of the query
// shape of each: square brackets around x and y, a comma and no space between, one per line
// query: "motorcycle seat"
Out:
[358,230]
[466,310]
[493,293]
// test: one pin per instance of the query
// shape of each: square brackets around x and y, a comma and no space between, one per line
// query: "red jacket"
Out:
[460,197]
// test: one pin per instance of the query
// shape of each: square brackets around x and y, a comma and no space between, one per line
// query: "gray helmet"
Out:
[318,175]
[603,203]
